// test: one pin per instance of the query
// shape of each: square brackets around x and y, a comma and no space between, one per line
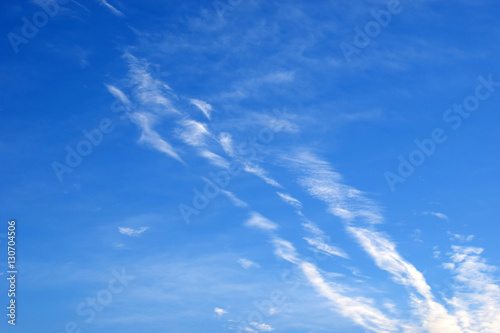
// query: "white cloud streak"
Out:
[203,106]
[131,231]
[319,241]
[150,137]
[258,221]
[358,309]
[352,207]
[246,263]
[290,200]
[117,93]
[236,201]
[112,8]
[437,214]
[261,173]
[215,159]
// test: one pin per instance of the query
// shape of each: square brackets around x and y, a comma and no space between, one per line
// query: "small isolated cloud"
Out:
[131,231]
[438,215]
[236,201]
[220,312]
[259,221]
[117,93]
[460,238]
[111,8]
[203,106]
[119,246]
[290,200]
[262,327]
[246,264]
[276,124]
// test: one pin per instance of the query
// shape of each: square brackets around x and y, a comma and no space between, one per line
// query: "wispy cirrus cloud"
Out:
[249,87]
[258,221]
[234,199]
[215,159]
[226,142]
[150,137]
[111,8]
[460,238]
[476,293]
[359,310]
[437,214]
[203,107]
[131,231]
[259,172]
[193,133]
[435,316]
[354,209]
[247,263]
[151,93]
[325,184]
[320,242]
[290,200]
[118,94]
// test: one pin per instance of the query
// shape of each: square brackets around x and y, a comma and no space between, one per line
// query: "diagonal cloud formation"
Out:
[353,208]
[359,309]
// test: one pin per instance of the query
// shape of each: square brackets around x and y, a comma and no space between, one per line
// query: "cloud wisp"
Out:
[131,231]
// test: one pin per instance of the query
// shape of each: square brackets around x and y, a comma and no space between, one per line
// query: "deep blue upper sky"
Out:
[335,220]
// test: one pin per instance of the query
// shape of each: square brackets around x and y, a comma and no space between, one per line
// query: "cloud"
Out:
[258,221]
[436,317]
[323,183]
[203,106]
[353,208]
[262,327]
[215,159]
[323,247]
[276,124]
[220,312]
[360,310]
[320,241]
[438,215]
[131,231]
[476,293]
[117,93]
[193,133]
[152,103]
[259,172]
[236,201]
[460,238]
[246,263]
[290,200]
[150,136]
[150,92]
[227,143]
[111,8]
[248,87]
[284,249]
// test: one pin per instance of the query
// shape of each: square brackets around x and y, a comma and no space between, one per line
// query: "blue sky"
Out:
[252,166]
